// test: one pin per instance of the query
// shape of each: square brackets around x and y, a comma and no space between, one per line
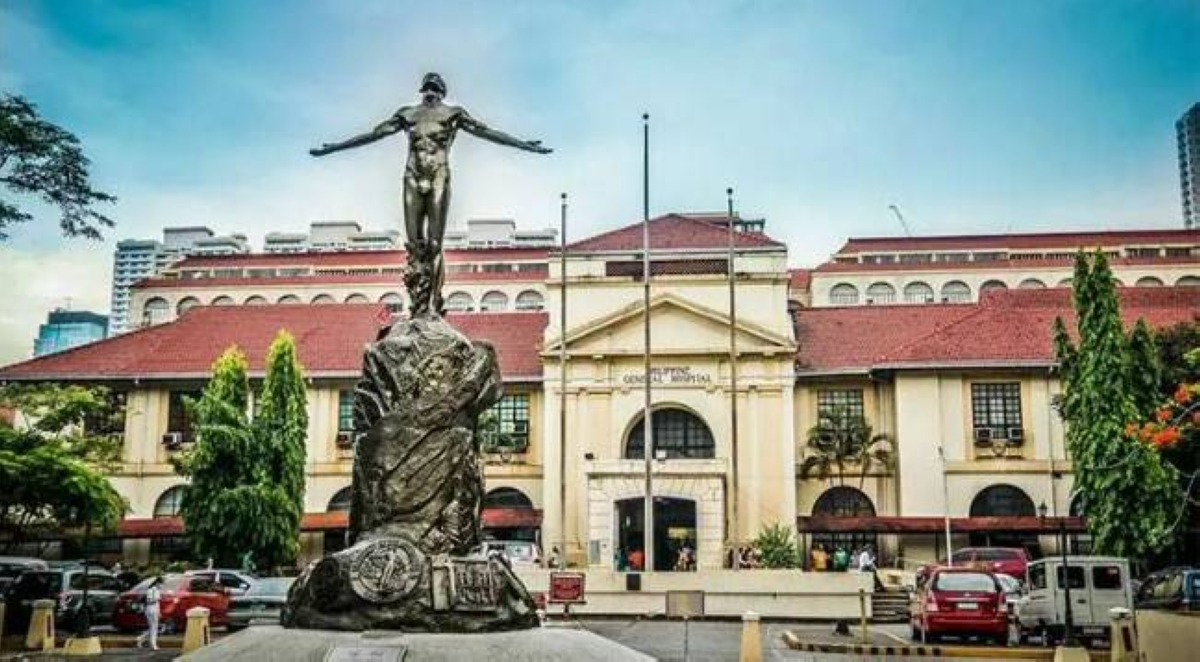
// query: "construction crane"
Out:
[900,217]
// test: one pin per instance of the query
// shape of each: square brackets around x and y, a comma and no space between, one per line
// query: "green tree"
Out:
[52,469]
[1174,344]
[777,545]
[247,477]
[840,440]
[1145,369]
[1131,494]
[44,161]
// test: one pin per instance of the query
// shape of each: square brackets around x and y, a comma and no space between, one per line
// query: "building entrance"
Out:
[674,534]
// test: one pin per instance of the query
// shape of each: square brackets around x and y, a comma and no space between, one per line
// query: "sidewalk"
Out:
[880,643]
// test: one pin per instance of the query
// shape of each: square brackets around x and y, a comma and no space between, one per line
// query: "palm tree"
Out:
[839,439]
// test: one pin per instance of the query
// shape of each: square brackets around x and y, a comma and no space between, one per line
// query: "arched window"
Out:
[323,299]
[1149,281]
[340,502]
[843,501]
[1066,282]
[677,433]
[168,502]
[289,298]
[156,311]
[223,300]
[393,302]
[185,304]
[956,291]
[256,301]
[990,285]
[1188,281]
[459,302]
[1031,284]
[881,293]
[1002,501]
[918,292]
[493,302]
[506,497]
[843,294]
[530,300]
[357,298]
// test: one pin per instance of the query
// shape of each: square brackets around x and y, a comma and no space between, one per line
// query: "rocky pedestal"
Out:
[417,493]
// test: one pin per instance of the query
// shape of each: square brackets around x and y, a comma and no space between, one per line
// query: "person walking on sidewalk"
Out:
[150,611]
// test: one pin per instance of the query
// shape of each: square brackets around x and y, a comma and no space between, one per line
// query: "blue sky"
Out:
[972,116]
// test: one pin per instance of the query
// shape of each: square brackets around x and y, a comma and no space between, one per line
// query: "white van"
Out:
[1098,583]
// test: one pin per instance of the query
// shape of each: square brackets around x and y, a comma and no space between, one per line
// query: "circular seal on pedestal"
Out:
[386,570]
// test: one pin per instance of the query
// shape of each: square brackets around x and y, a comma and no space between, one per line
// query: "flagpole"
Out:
[647,422]
[562,384]
[733,374]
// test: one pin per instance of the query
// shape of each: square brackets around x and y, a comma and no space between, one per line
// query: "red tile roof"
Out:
[1007,328]
[672,232]
[1022,241]
[330,340]
[800,279]
[352,258]
[1043,263]
[532,276]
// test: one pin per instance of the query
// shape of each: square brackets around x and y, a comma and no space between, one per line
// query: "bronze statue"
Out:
[416,560]
[432,127]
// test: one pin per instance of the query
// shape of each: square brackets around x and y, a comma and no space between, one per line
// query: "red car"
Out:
[179,593]
[959,601]
[1010,561]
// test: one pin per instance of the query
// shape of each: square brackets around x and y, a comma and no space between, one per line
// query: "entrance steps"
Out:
[889,606]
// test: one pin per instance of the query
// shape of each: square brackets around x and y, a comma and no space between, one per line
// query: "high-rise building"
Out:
[136,259]
[1187,132]
[65,329]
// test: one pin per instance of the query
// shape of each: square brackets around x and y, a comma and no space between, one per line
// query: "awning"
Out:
[161,527]
[909,524]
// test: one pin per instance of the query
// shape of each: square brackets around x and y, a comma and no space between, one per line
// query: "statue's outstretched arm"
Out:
[394,124]
[481,130]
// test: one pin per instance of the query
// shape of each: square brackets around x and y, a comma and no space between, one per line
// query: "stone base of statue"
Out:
[270,643]
[417,492]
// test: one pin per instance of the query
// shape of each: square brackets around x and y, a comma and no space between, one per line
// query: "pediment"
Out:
[678,326]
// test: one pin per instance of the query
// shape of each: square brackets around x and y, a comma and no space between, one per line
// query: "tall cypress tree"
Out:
[1145,370]
[281,425]
[1129,492]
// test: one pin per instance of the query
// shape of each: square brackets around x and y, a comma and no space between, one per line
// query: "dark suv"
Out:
[65,587]
[1176,589]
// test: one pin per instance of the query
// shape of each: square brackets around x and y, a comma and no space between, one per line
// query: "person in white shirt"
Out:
[150,611]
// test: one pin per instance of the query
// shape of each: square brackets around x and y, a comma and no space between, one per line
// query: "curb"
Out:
[918,650]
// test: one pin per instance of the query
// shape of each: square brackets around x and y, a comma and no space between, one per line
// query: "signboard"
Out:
[670,375]
[567,588]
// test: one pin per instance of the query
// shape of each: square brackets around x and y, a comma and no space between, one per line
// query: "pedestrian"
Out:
[841,559]
[553,562]
[820,559]
[150,611]
[637,560]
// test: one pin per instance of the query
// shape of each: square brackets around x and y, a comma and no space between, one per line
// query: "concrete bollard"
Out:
[197,635]
[41,626]
[1122,636]
[751,639]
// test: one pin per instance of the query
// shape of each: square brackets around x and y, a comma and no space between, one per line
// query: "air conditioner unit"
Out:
[345,439]
[983,435]
[1016,435]
[172,439]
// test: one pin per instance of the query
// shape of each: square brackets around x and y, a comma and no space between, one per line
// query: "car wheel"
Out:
[915,633]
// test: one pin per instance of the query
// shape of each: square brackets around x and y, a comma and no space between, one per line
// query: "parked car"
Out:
[178,593]
[11,567]
[1098,584]
[1013,591]
[64,586]
[262,602]
[520,553]
[1176,589]
[1011,561]
[234,581]
[959,601]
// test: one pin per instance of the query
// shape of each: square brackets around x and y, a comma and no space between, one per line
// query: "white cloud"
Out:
[36,282]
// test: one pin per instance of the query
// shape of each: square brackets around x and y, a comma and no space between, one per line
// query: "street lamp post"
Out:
[1068,616]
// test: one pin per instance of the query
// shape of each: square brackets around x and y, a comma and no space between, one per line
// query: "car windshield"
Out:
[520,552]
[997,555]
[37,585]
[964,581]
[271,586]
[1009,583]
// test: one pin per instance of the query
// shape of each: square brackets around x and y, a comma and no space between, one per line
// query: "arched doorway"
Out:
[674,530]
[170,548]
[338,539]
[844,501]
[678,434]
[1003,501]
[509,515]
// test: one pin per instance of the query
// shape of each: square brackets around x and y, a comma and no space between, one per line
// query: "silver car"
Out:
[262,602]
